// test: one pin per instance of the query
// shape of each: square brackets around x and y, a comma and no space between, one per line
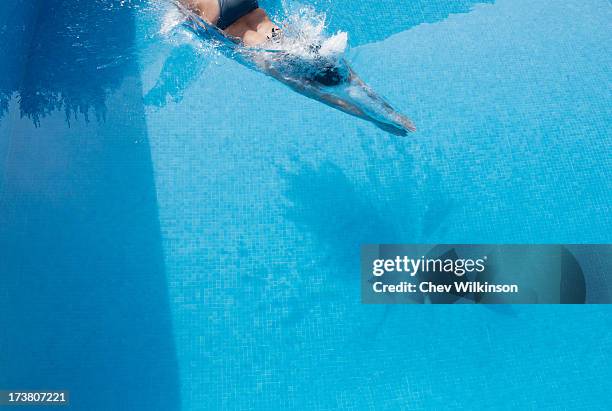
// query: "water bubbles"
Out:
[305,35]
[172,19]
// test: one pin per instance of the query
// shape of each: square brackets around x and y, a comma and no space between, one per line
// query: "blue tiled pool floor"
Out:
[263,211]
[237,208]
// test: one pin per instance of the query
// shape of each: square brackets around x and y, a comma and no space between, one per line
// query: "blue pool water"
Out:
[178,231]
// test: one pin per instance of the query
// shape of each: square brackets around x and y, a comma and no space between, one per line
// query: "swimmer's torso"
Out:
[242,19]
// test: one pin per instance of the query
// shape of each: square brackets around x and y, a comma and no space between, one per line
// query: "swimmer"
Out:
[333,83]
[240,19]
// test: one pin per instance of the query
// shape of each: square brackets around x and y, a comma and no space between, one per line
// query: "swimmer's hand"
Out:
[405,122]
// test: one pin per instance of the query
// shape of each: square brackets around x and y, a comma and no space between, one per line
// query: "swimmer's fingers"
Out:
[406,123]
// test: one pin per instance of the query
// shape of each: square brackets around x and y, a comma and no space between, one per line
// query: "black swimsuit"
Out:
[232,10]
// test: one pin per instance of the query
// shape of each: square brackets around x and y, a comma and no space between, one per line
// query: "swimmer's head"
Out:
[329,76]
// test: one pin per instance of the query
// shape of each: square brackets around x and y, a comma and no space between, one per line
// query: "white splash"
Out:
[172,19]
[334,45]
[304,34]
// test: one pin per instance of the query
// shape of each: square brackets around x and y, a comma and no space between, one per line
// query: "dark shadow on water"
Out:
[17,21]
[387,205]
[65,55]
[394,202]
[337,214]
[83,294]
[369,23]
[341,215]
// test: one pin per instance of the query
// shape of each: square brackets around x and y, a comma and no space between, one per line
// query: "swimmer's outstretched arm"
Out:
[399,128]
[398,124]
[399,117]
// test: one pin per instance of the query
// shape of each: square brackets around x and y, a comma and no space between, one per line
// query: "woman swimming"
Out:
[241,19]
[321,75]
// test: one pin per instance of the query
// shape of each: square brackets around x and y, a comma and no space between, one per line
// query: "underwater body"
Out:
[311,65]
